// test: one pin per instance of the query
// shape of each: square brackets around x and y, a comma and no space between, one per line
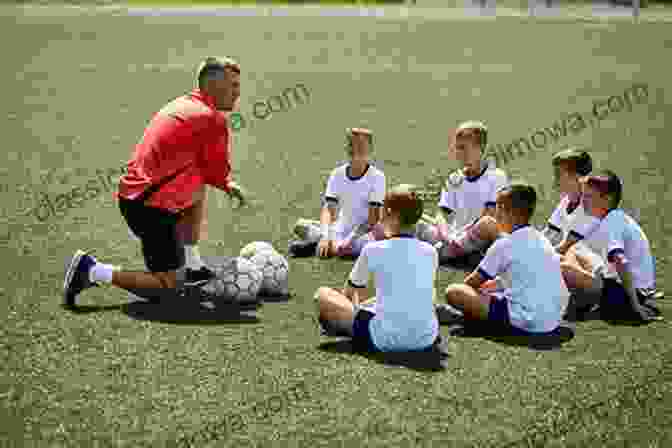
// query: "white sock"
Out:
[193,257]
[102,273]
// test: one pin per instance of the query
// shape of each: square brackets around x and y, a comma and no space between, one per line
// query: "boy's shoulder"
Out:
[375,170]
[422,246]
[496,173]
[340,169]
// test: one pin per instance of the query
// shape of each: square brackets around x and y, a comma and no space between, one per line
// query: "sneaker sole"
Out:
[69,274]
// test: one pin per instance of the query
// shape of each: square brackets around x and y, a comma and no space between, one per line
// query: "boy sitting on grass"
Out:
[355,190]
[465,224]
[629,279]
[532,295]
[402,318]
[570,223]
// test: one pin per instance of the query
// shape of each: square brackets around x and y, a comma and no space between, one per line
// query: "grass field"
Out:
[79,90]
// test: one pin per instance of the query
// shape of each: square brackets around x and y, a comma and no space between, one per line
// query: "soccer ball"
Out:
[236,281]
[275,271]
[254,248]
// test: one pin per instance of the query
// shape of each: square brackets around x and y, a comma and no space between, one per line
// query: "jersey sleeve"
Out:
[500,180]
[377,194]
[332,193]
[447,199]
[216,162]
[359,276]
[497,259]
[615,242]
[584,226]
[555,221]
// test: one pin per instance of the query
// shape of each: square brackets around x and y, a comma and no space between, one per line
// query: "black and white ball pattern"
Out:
[238,280]
[275,272]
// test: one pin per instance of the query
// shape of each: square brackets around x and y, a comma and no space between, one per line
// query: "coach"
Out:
[185,147]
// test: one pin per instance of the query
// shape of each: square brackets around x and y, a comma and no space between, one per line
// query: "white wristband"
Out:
[324,231]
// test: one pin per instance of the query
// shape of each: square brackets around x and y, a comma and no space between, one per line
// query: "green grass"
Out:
[80,92]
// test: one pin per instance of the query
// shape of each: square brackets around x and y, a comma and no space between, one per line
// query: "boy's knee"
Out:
[487,227]
[451,291]
[321,293]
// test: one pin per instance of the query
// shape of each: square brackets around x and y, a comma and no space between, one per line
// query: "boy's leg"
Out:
[475,238]
[336,312]
[472,303]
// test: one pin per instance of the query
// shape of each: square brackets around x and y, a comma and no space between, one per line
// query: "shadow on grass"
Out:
[190,314]
[554,341]
[280,298]
[419,361]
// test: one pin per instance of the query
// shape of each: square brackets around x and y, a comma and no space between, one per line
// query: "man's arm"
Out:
[216,158]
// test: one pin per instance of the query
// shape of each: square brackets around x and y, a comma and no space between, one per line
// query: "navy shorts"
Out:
[361,332]
[157,229]
[615,301]
[498,314]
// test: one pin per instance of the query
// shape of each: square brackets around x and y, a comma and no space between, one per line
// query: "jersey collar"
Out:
[519,226]
[204,98]
[351,177]
[478,176]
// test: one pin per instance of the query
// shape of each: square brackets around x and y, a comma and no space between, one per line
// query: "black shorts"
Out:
[361,333]
[157,229]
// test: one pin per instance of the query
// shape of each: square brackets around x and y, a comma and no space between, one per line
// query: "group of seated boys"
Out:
[589,250]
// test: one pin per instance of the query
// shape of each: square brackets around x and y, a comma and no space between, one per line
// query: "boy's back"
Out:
[620,233]
[529,268]
[404,269]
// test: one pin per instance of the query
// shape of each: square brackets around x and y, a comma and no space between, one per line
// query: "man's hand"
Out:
[326,247]
[238,192]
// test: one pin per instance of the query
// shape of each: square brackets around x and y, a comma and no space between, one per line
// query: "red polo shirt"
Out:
[185,147]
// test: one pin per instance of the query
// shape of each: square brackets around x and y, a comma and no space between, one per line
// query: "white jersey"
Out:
[404,270]
[354,196]
[578,224]
[467,196]
[617,234]
[528,267]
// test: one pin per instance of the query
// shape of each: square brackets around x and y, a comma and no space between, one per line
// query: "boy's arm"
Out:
[566,244]
[376,198]
[475,280]
[623,268]
[501,180]
[327,220]
[328,212]
[358,279]
[496,260]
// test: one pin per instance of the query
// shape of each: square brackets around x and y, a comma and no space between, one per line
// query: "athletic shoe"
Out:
[447,315]
[196,277]
[300,248]
[77,277]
